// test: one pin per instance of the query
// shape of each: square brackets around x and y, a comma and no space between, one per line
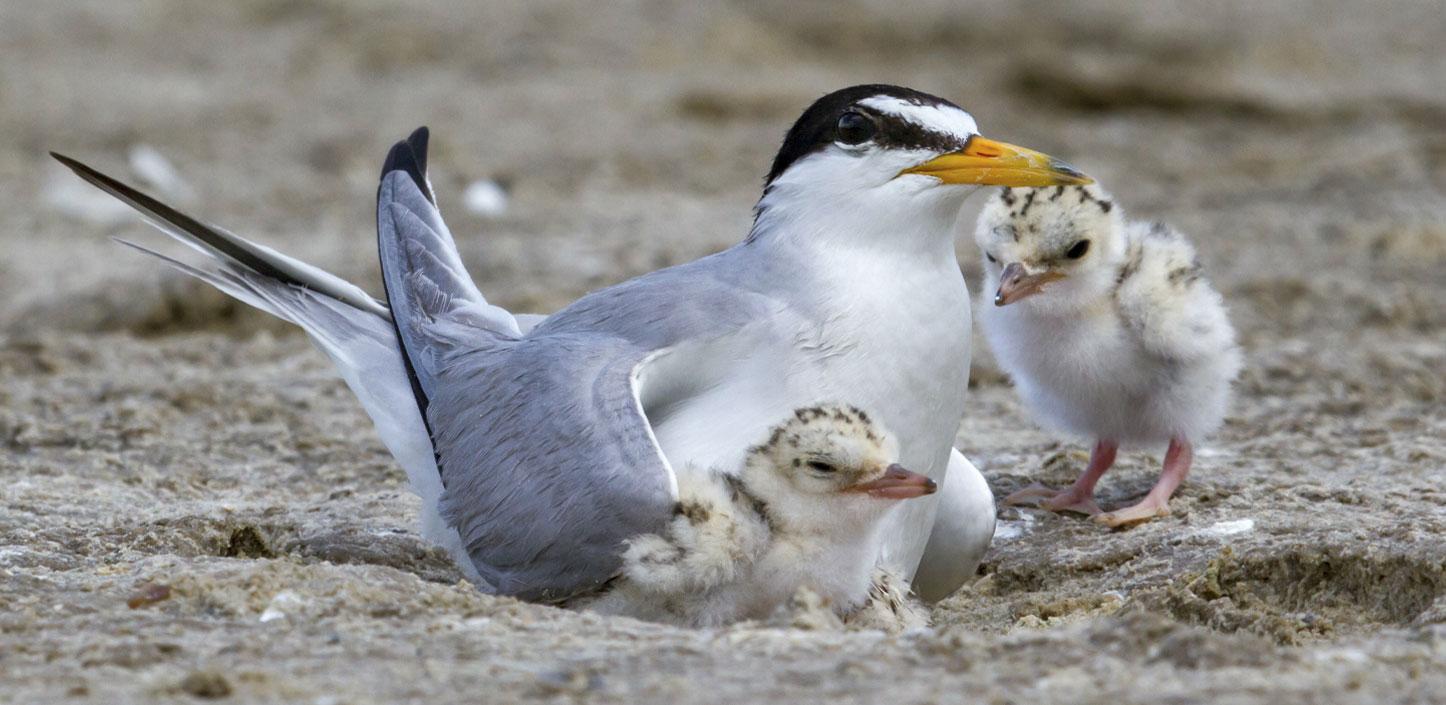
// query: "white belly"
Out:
[902,357]
[1083,375]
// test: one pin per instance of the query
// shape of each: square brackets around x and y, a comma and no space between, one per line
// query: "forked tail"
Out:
[351,327]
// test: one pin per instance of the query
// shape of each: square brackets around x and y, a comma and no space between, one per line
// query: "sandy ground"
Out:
[162,446]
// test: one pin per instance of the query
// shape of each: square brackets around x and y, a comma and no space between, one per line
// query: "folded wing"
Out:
[546,457]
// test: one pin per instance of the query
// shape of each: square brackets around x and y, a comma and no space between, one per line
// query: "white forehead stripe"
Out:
[939,118]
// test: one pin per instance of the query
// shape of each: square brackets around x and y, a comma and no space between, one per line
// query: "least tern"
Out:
[1109,329]
[538,446]
[804,512]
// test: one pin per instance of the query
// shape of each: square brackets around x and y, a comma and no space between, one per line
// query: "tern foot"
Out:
[1054,500]
[1146,510]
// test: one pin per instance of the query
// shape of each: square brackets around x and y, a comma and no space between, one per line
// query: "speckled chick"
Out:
[1110,331]
[805,512]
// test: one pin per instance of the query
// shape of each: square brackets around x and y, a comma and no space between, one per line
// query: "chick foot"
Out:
[890,607]
[1157,502]
[1080,497]
[1146,510]
[1066,500]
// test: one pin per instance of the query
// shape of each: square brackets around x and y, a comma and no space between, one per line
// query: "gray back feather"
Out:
[547,460]
[549,464]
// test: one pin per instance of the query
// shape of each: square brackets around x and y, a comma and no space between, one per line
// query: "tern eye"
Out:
[1078,249]
[855,128]
[990,258]
[821,466]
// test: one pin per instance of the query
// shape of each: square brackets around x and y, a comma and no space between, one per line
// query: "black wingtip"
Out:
[418,139]
[106,183]
[73,164]
[411,156]
[201,232]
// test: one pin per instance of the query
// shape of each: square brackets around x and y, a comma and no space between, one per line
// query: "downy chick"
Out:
[1109,330]
[804,512]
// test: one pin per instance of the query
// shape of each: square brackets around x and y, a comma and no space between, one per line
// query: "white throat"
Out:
[819,204]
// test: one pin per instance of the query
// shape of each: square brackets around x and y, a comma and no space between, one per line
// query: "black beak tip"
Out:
[1066,169]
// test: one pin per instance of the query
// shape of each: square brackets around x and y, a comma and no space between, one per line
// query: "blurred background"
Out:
[1300,143]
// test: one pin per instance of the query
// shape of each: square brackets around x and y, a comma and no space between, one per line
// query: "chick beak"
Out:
[897,483]
[1015,283]
[985,162]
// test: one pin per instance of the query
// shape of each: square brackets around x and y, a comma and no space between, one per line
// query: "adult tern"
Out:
[537,447]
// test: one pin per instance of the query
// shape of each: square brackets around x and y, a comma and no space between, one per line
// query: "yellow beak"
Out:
[988,163]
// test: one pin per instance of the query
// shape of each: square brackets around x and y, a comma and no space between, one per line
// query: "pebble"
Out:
[153,168]
[486,198]
[1229,528]
[206,684]
[282,606]
[148,594]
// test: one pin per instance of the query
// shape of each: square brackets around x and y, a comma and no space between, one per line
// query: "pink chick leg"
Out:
[1157,502]
[1079,497]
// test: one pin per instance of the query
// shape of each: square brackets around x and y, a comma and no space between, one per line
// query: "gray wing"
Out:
[547,460]
[434,303]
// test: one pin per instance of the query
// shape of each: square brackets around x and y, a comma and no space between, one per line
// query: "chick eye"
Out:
[990,258]
[821,466]
[855,128]
[1078,249]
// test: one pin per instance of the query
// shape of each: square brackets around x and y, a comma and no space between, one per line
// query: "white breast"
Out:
[1081,374]
[895,345]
